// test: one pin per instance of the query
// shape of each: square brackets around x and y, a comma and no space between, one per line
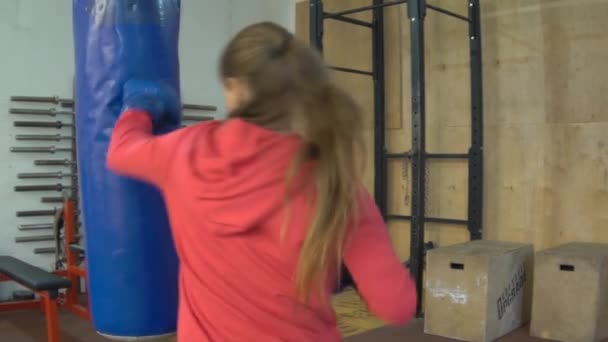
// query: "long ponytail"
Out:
[292,91]
[334,134]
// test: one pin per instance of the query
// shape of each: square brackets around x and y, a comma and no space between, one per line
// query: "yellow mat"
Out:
[352,313]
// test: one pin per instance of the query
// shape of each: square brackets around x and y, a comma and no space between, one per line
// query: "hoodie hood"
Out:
[239,171]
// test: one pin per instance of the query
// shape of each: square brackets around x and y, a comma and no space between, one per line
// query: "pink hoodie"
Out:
[224,186]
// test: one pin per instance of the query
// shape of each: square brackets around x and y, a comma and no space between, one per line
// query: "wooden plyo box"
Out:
[478,291]
[571,293]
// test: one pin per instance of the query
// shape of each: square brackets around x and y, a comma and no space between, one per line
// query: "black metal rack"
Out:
[58,180]
[417,155]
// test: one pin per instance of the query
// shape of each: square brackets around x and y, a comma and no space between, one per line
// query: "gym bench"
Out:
[45,284]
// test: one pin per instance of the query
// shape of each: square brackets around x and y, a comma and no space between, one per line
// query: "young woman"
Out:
[266,205]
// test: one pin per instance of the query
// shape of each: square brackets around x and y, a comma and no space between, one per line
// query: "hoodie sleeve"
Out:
[382,280]
[134,151]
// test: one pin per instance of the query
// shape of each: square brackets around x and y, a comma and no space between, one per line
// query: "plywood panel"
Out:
[447,67]
[513,178]
[368,171]
[406,84]
[513,62]
[393,54]
[399,187]
[400,235]
[348,45]
[575,44]
[447,181]
[302,21]
[576,183]
[544,156]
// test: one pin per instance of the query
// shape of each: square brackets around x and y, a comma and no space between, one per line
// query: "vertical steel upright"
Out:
[476,150]
[316,24]
[380,162]
[416,14]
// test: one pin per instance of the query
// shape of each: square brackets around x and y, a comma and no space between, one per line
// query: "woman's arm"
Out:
[381,279]
[134,151]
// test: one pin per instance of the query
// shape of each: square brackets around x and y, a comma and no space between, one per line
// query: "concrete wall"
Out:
[37,60]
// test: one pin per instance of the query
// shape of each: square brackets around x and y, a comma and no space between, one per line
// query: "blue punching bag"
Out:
[131,260]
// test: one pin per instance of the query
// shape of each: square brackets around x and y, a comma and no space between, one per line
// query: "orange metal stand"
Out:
[48,303]
[73,271]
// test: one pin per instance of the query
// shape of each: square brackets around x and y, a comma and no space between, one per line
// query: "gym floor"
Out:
[28,326]
[354,320]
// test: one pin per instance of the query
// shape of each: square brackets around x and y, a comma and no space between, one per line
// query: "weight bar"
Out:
[45,112]
[49,187]
[36,226]
[42,137]
[42,99]
[40,149]
[52,200]
[35,238]
[32,213]
[45,250]
[196,118]
[54,162]
[42,124]
[199,107]
[43,175]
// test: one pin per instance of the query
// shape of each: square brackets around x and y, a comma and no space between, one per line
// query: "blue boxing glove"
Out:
[160,100]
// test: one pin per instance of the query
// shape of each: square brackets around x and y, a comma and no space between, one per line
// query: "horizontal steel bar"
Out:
[77,248]
[199,107]
[32,213]
[35,238]
[353,71]
[447,155]
[39,149]
[46,112]
[450,13]
[46,187]
[42,175]
[430,155]
[52,200]
[54,162]
[42,124]
[196,118]
[37,226]
[45,250]
[366,8]
[430,219]
[42,137]
[347,20]
[42,99]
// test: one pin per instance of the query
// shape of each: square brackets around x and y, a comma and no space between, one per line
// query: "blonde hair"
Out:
[291,89]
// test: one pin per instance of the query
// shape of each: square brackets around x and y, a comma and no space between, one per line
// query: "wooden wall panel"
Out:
[302,23]
[575,45]
[576,183]
[545,74]
[393,59]
[513,62]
